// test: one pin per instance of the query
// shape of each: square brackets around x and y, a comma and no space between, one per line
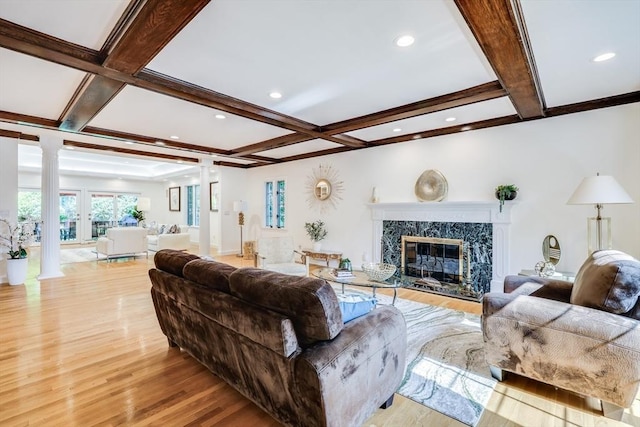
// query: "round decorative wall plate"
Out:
[431,186]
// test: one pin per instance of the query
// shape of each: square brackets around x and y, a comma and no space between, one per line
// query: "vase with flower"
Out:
[16,238]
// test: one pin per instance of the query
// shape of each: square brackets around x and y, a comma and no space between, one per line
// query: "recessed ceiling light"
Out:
[220,116]
[397,130]
[128,142]
[160,143]
[466,128]
[404,41]
[175,137]
[450,119]
[68,147]
[275,95]
[180,162]
[214,155]
[604,57]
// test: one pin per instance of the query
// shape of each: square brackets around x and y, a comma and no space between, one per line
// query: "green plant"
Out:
[506,192]
[137,214]
[315,230]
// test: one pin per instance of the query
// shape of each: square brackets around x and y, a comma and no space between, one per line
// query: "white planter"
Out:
[17,270]
[317,246]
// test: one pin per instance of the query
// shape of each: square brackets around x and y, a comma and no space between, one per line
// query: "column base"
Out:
[50,275]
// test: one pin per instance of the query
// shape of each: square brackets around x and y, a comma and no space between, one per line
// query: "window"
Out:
[193,205]
[274,213]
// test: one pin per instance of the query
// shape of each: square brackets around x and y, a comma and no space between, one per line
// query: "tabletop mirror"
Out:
[551,249]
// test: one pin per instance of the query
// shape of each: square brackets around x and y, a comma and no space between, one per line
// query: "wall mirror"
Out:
[322,189]
[551,249]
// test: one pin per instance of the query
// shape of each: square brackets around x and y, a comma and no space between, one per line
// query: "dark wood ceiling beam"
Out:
[500,121]
[18,135]
[145,29]
[152,28]
[93,94]
[501,34]
[483,92]
[25,119]
[98,147]
[594,104]
[269,144]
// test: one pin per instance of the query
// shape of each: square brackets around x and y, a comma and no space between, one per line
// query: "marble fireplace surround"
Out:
[456,212]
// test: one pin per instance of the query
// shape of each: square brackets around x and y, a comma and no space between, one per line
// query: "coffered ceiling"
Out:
[183,80]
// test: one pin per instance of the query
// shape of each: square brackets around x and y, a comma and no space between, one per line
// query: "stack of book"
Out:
[341,273]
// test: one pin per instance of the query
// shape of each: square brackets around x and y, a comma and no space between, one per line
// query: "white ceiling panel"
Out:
[143,112]
[566,35]
[35,87]
[331,60]
[94,164]
[302,148]
[87,23]
[467,114]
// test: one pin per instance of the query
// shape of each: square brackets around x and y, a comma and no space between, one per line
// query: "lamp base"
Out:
[598,234]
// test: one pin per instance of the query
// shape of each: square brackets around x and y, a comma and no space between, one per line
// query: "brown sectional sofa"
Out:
[280,340]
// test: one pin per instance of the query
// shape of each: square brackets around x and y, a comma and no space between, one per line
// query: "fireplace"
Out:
[481,227]
[434,260]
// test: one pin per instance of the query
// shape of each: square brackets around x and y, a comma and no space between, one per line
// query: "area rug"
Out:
[446,370]
[68,256]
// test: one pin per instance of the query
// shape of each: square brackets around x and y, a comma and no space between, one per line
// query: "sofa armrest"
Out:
[368,354]
[104,246]
[578,348]
[542,287]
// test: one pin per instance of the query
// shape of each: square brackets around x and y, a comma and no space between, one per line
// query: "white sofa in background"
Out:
[122,241]
[178,241]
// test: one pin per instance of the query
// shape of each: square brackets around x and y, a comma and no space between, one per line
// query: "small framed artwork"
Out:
[174,199]
[214,196]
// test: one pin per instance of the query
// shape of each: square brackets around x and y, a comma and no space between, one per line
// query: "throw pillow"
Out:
[162,229]
[609,280]
[353,306]
[173,229]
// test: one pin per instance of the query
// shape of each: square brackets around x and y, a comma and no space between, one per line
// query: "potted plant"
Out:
[506,192]
[137,214]
[345,264]
[316,232]
[16,238]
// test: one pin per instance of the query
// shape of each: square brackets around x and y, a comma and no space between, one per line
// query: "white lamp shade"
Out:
[599,189]
[144,204]
[239,206]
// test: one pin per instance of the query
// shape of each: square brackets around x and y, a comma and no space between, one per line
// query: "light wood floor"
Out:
[86,350]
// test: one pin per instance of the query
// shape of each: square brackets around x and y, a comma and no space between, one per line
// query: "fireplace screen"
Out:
[433,260]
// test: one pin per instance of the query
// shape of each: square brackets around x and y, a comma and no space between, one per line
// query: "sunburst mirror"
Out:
[324,188]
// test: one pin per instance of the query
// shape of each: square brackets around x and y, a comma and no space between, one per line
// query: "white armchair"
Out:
[278,254]
[122,241]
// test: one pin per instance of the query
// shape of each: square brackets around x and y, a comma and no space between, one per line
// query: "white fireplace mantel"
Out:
[469,212]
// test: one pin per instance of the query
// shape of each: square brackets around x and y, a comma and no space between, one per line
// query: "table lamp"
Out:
[240,206]
[599,190]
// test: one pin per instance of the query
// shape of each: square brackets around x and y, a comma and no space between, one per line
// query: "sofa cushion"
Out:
[209,273]
[608,280]
[311,304]
[172,261]
[355,305]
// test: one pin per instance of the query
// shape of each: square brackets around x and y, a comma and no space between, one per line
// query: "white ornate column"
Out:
[8,190]
[205,203]
[50,243]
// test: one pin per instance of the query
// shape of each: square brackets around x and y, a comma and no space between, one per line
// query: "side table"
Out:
[558,275]
[323,255]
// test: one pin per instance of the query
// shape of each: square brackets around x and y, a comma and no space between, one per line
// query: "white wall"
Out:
[546,158]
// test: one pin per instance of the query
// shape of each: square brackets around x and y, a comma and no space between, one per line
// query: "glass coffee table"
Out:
[360,279]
